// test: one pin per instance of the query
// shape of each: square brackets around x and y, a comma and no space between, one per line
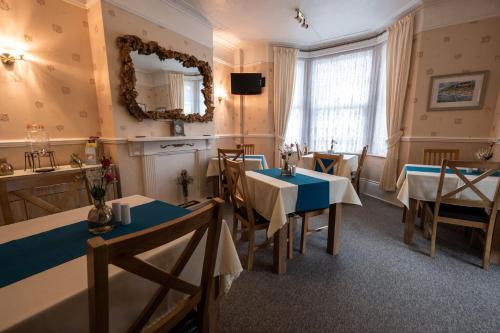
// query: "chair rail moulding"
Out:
[14,143]
[254,135]
[446,139]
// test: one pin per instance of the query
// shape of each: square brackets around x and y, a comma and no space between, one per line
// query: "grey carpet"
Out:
[375,284]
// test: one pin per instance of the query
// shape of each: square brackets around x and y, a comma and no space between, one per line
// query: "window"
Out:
[193,97]
[340,97]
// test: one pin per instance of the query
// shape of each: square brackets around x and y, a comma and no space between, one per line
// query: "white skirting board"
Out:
[371,188]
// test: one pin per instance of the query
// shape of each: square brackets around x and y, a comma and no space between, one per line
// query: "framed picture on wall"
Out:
[464,91]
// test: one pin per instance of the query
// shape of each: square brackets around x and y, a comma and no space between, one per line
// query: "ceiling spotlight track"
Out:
[300,17]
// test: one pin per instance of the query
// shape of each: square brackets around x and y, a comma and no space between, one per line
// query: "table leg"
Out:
[215,185]
[410,221]
[280,250]
[495,244]
[334,223]
[5,205]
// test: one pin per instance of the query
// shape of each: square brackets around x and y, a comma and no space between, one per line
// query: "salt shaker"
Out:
[125,212]
[117,213]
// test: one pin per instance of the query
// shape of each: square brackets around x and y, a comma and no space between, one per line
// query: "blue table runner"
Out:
[313,193]
[436,169]
[260,157]
[31,255]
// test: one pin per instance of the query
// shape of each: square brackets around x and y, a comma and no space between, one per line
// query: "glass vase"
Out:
[100,217]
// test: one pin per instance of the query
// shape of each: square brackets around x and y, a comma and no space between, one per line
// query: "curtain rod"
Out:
[345,43]
[415,9]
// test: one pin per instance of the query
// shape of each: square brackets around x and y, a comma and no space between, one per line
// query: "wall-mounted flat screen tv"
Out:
[246,83]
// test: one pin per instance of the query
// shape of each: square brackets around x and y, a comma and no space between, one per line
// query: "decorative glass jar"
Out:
[38,139]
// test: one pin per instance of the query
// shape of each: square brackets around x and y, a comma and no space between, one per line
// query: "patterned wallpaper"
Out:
[55,85]
[226,119]
[459,48]
[259,108]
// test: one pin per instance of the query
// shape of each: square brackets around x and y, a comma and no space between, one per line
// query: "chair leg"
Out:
[487,246]
[433,238]
[251,240]
[303,236]
[291,222]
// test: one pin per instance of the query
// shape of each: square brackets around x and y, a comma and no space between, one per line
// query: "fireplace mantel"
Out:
[168,144]
[160,168]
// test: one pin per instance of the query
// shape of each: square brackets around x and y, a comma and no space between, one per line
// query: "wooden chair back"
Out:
[238,187]
[248,148]
[122,252]
[361,163]
[21,187]
[327,163]
[482,200]
[436,156]
[233,154]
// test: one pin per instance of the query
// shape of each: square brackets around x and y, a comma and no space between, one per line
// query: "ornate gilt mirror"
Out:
[157,83]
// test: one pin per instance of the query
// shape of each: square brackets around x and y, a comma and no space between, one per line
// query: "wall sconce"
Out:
[10,59]
[220,93]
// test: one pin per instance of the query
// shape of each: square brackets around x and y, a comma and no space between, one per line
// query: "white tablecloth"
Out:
[423,185]
[56,300]
[274,198]
[250,164]
[348,165]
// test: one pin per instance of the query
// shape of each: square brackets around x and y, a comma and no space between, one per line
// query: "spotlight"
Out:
[300,17]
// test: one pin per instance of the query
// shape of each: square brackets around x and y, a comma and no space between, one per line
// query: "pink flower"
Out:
[109,177]
[106,162]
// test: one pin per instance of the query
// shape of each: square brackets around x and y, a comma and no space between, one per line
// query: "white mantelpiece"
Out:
[164,157]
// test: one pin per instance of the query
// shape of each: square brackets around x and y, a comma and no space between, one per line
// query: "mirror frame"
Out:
[128,93]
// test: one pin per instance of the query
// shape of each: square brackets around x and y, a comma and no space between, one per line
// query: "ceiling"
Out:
[330,21]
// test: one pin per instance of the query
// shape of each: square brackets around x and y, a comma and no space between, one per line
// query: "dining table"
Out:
[43,279]
[275,196]
[348,165]
[420,183]
[252,162]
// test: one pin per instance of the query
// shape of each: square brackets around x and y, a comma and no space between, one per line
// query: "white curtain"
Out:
[175,90]
[284,77]
[295,127]
[399,44]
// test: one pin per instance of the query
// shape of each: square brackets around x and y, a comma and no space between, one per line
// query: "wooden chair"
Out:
[480,213]
[248,148]
[232,154]
[122,252]
[436,156]
[23,186]
[433,157]
[243,210]
[331,167]
[355,177]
